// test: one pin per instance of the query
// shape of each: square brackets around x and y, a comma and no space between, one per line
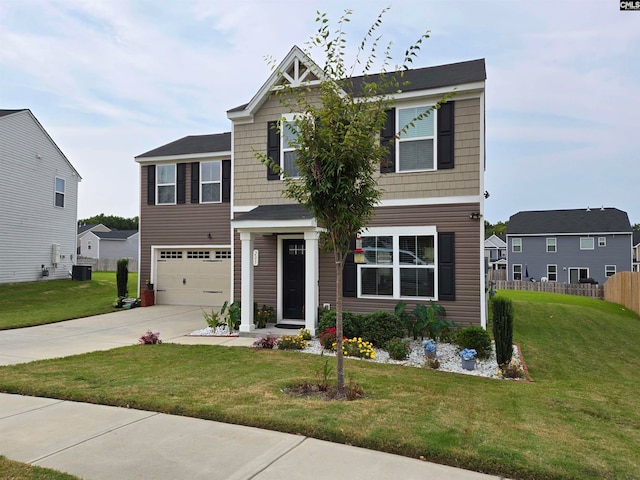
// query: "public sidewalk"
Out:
[98,442]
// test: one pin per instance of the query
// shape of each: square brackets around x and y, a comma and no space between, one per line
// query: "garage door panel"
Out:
[193,277]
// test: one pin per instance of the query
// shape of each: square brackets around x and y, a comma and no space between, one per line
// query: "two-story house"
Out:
[568,246]
[424,243]
[185,212]
[495,252]
[40,202]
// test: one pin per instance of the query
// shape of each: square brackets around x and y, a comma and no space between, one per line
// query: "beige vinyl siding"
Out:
[30,222]
[183,224]
[253,188]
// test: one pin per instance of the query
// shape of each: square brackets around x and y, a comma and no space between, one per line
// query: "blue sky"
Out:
[113,79]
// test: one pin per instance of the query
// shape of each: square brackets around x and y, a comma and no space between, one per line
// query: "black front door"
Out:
[293,279]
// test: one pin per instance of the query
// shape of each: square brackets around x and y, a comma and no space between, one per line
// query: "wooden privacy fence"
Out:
[580,289]
[624,288]
[106,264]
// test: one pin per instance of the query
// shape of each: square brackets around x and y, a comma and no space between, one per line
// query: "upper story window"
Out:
[211,182]
[60,192]
[602,241]
[289,132]
[586,243]
[416,145]
[551,245]
[516,245]
[166,184]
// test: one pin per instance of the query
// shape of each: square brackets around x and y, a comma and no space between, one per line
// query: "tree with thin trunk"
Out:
[336,134]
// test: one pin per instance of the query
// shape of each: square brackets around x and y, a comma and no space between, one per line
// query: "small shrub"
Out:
[291,342]
[513,369]
[432,362]
[324,375]
[150,338]
[357,347]
[397,348]
[353,391]
[328,338]
[264,315]
[213,319]
[269,341]
[475,338]
[380,327]
[305,333]
[350,323]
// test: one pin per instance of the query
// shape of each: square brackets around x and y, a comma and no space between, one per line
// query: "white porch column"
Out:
[311,281]
[246,284]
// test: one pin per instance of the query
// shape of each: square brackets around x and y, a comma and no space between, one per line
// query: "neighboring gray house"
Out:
[568,246]
[113,244]
[636,251]
[495,252]
[86,245]
[38,212]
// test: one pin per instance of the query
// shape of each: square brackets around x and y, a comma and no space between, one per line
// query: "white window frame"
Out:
[609,270]
[289,118]
[168,184]
[552,276]
[584,241]
[58,192]
[434,137]
[514,272]
[211,182]
[602,241]
[516,242]
[552,244]
[395,233]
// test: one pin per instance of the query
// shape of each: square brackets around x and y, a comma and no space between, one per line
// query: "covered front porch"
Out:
[293,258]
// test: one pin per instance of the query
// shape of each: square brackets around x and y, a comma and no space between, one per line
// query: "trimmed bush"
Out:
[380,327]
[350,323]
[122,276]
[397,348]
[503,329]
[476,338]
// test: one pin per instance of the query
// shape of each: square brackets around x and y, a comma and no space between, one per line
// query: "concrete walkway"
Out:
[101,442]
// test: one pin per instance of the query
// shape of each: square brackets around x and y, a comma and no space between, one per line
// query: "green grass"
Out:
[579,419]
[37,303]
[10,470]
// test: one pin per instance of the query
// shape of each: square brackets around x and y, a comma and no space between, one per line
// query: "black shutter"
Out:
[181,183]
[445,136]
[273,148]
[195,182]
[446,266]
[151,185]
[388,164]
[226,180]
[350,274]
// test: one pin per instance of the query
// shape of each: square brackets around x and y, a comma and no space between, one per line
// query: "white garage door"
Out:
[193,277]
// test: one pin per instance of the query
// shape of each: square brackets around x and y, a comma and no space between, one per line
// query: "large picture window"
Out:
[211,182]
[399,263]
[586,243]
[416,146]
[166,184]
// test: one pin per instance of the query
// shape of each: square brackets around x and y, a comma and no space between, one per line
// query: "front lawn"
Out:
[579,419]
[37,303]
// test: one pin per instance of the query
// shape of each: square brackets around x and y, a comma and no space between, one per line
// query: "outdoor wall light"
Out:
[209,236]
[358,253]
[475,216]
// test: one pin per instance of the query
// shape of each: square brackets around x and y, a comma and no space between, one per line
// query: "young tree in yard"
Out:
[336,134]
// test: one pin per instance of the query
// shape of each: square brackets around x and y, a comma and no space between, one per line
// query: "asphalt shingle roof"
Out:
[594,220]
[277,212]
[116,234]
[217,142]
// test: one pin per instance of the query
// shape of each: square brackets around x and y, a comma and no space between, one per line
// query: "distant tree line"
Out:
[111,221]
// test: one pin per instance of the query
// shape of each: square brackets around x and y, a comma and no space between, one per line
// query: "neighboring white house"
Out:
[39,207]
[636,250]
[113,244]
[495,252]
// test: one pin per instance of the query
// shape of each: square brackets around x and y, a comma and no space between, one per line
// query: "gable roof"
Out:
[7,113]
[494,240]
[417,79]
[597,220]
[116,234]
[89,226]
[193,144]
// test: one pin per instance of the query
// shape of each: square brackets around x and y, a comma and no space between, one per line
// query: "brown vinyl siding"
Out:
[465,310]
[184,224]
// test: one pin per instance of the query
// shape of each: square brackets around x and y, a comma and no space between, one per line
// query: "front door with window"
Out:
[293,252]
